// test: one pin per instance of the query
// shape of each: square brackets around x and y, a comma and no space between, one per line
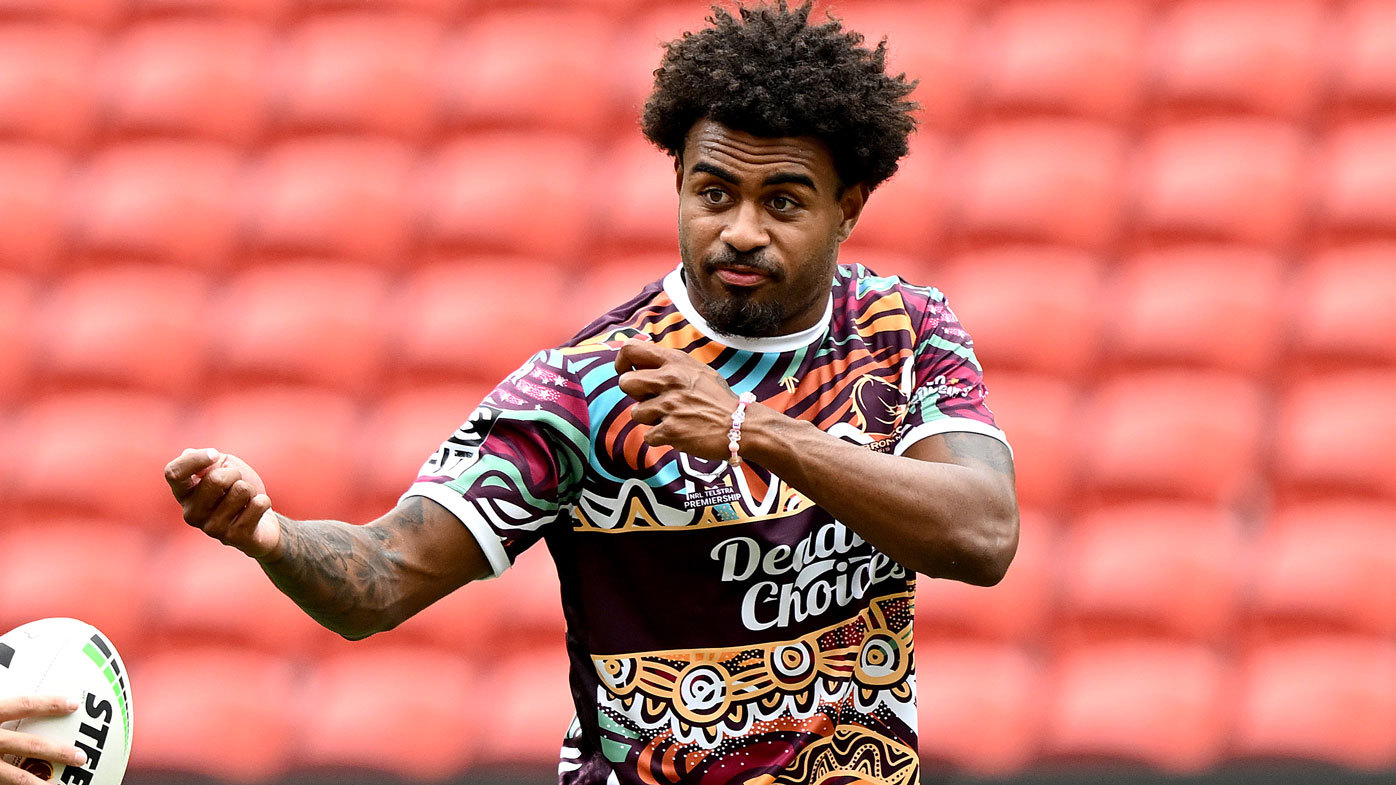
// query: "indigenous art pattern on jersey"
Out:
[721,626]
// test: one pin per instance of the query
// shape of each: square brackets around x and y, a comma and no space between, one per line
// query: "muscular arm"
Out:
[360,580]
[355,580]
[947,508]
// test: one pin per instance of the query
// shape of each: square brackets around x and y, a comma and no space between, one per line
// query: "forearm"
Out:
[340,574]
[940,519]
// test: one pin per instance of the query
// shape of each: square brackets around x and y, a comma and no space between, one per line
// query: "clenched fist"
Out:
[223,496]
[687,404]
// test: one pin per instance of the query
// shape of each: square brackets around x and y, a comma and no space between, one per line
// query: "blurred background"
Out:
[314,233]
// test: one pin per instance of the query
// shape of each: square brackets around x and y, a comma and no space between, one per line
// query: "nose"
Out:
[745,232]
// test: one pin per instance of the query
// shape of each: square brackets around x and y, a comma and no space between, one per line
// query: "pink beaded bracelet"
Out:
[735,435]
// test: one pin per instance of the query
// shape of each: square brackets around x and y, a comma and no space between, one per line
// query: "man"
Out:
[29,748]
[737,473]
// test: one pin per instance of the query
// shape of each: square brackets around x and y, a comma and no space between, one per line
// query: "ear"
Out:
[851,202]
[678,173]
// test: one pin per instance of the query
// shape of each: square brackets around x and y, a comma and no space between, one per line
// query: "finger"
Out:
[658,436]
[642,385]
[36,706]
[183,472]
[201,502]
[228,508]
[27,745]
[648,413]
[243,528]
[634,355]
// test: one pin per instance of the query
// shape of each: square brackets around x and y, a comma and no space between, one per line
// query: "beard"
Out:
[743,316]
[757,313]
[737,311]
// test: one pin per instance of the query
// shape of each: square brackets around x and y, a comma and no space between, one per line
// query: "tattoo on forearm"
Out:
[974,449]
[333,570]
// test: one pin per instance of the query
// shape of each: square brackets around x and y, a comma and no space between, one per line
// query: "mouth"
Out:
[740,276]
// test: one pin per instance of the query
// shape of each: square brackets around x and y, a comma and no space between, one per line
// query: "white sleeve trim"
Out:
[457,505]
[948,425]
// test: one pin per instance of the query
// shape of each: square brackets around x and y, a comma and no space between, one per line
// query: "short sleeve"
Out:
[516,466]
[948,392]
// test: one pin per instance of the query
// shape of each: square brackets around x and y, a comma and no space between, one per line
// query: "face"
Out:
[760,223]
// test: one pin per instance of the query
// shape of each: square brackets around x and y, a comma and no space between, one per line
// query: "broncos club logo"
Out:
[877,407]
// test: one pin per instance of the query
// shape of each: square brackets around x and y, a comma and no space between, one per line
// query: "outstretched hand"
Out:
[227,500]
[27,745]
[687,404]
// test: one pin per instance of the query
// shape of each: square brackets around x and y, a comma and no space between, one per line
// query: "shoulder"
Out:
[627,319]
[859,286]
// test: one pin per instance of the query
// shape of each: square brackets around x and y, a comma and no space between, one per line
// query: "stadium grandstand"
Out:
[297,230]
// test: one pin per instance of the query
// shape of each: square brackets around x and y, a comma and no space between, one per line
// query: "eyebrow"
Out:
[779,178]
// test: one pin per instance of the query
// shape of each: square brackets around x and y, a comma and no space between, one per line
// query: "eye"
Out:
[713,196]
[783,204]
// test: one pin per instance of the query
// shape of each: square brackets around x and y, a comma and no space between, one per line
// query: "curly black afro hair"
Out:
[769,72]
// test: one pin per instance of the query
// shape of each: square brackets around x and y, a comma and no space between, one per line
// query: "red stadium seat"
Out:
[296,440]
[1222,180]
[215,712]
[173,203]
[419,699]
[529,591]
[1327,567]
[464,621]
[406,428]
[514,193]
[1016,610]
[1337,433]
[641,215]
[561,83]
[1071,57]
[1029,308]
[202,77]
[1170,570]
[907,213]
[1322,699]
[95,13]
[200,592]
[366,73]
[639,48]
[1246,56]
[609,282]
[1038,413]
[1347,294]
[533,708]
[255,10]
[1357,180]
[1366,51]
[440,9]
[32,202]
[979,707]
[46,92]
[16,325]
[71,439]
[459,322]
[316,323]
[341,198]
[1043,181]
[90,569]
[1198,305]
[1158,704]
[1187,434]
[929,41]
[138,326]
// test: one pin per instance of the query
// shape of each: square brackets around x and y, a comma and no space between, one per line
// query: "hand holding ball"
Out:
[64,657]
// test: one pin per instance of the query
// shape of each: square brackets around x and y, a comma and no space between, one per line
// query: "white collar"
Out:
[678,292]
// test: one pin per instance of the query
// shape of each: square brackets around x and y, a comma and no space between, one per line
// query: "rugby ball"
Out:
[67,657]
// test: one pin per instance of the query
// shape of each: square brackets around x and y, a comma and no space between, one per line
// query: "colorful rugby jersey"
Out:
[721,628]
